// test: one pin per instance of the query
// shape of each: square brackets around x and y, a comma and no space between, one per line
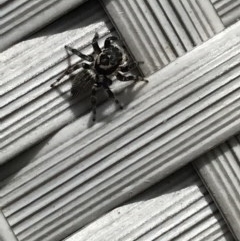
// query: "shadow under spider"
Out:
[125,97]
[81,105]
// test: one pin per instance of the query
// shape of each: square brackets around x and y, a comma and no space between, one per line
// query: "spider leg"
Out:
[135,78]
[86,66]
[88,58]
[112,96]
[71,69]
[94,101]
[68,71]
[105,84]
[95,45]
[108,40]
[129,67]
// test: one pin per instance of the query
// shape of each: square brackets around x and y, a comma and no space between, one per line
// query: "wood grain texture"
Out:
[6,233]
[80,173]
[228,10]
[21,18]
[178,208]
[170,28]
[220,171]
[30,108]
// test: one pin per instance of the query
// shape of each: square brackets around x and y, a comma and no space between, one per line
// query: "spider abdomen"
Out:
[82,82]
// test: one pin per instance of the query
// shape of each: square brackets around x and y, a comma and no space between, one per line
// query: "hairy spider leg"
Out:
[108,40]
[112,96]
[88,58]
[68,71]
[103,80]
[86,66]
[71,69]
[135,78]
[94,101]
[95,45]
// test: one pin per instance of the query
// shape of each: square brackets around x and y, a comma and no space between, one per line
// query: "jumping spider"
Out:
[103,65]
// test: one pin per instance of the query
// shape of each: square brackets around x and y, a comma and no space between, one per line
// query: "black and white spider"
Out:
[103,65]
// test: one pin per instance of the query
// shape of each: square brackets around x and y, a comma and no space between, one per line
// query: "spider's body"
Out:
[108,61]
[100,68]
[82,82]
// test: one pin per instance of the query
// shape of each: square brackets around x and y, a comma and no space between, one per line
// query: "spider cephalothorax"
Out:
[108,61]
[100,68]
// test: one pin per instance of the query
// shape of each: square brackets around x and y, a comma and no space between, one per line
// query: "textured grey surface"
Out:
[228,10]
[178,208]
[6,233]
[170,28]
[80,173]
[30,109]
[220,170]
[20,18]
[26,86]
[45,179]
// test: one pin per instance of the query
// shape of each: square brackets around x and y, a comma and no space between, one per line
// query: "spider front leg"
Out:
[108,41]
[94,101]
[70,70]
[88,58]
[66,72]
[95,45]
[135,78]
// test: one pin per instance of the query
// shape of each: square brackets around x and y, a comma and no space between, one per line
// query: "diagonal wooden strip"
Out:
[186,109]
[6,233]
[228,10]
[220,171]
[30,109]
[171,28]
[177,208]
[21,18]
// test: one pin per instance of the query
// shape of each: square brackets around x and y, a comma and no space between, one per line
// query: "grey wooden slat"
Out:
[220,171]
[21,18]
[17,88]
[178,208]
[26,86]
[80,173]
[228,10]
[171,28]
[30,109]
[6,233]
